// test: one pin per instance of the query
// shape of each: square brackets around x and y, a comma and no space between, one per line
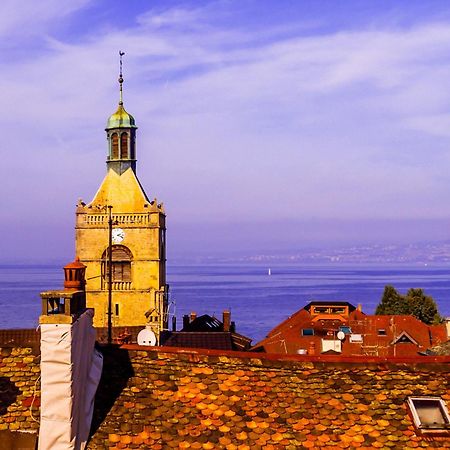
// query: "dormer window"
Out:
[404,338]
[329,310]
[430,414]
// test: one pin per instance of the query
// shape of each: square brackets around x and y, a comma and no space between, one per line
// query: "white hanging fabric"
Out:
[70,373]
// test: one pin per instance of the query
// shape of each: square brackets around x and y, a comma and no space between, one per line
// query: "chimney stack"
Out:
[226,320]
[74,275]
[359,307]
[174,323]
[193,316]
[185,321]
[70,365]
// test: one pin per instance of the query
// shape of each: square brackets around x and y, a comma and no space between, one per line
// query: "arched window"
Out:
[132,145]
[121,264]
[124,146]
[114,146]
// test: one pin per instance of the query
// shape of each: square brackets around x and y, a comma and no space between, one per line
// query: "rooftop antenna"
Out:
[121,53]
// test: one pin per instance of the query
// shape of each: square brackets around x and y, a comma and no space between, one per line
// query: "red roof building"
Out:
[340,328]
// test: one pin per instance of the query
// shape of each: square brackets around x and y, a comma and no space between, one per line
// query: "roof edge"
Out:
[429,362]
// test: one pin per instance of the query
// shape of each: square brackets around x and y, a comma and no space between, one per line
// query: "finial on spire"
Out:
[121,53]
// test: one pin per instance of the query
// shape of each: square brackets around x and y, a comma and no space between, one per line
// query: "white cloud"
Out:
[171,17]
[433,124]
[23,19]
[323,125]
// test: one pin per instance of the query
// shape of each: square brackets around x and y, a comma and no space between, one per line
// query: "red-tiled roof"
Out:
[207,399]
[379,335]
[163,398]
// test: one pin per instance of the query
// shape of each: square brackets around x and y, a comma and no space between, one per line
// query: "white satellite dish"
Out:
[146,337]
[341,335]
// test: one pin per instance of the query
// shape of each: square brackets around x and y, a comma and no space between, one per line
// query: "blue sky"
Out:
[263,125]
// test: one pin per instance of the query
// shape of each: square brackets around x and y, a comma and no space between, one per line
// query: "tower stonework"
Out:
[138,252]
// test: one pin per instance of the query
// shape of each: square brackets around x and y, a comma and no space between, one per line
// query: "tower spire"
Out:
[121,53]
[121,132]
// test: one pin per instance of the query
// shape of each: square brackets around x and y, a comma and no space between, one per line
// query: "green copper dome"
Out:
[121,119]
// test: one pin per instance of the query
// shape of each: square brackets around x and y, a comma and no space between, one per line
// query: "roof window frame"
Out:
[346,329]
[309,332]
[418,423]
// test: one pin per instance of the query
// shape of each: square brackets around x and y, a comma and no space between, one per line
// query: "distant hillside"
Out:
[417,253]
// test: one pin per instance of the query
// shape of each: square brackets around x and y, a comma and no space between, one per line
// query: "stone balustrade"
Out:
[118,285]
[101,220]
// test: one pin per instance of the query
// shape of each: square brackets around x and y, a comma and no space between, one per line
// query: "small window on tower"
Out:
[121,266]
[124,146]
[114,146]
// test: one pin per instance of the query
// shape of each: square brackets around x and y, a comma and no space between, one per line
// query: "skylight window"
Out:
[356,338]
[430,414]
[345,329]
[308,332]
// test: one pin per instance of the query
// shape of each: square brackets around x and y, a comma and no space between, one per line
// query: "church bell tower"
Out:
[121,238]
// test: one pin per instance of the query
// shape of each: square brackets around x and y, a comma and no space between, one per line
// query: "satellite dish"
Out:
[340,335]
[146,337]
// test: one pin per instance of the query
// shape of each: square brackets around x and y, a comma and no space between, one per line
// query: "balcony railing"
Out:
[121,219]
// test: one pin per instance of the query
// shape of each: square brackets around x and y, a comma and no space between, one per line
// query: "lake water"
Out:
[258,302]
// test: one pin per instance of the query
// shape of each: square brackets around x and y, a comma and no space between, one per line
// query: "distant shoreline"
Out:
[267,264]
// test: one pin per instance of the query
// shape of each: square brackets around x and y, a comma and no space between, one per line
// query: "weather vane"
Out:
[121,53]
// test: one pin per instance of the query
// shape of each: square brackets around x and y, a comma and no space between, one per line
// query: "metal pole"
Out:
[110,225]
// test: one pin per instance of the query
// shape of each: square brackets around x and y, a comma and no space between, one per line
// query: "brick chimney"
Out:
[74,273]
[226,319]
[193,316]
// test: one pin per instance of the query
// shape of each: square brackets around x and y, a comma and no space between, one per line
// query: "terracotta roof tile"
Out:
[230,400]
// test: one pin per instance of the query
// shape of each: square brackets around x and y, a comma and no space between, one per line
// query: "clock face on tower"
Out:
[118,235]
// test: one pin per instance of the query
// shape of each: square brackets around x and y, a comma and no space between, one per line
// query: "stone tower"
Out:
[138,292]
